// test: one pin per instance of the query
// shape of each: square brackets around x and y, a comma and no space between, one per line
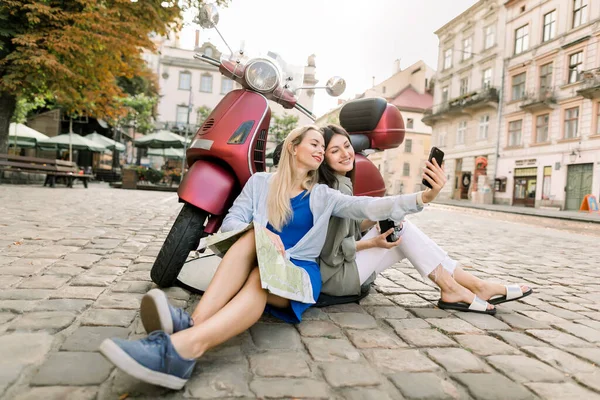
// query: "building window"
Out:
[575,66]
[226,85]
[490,36]
[182,114]
[549,26]
[185,80]
[464,86]
[408,146]
[545,78]
[406,169]
[208,52]
[546,183]
[571,122]
[442,139]
[410,123]
[514,133]
[518,86]
[461,132]
[467,48]
[484,124]
[487,78]
[521,39]
[206,83]
[541,128]
[447,58]
[579,12]
[598,119]
[445,91]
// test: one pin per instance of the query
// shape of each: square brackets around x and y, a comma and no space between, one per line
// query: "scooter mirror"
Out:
[335,86]
[208,16]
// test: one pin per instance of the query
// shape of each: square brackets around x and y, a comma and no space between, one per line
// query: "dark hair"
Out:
[326,174]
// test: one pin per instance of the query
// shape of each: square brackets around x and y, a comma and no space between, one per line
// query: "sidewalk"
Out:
[568,215]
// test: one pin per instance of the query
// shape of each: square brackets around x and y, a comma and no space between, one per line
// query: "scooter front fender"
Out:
[209,187]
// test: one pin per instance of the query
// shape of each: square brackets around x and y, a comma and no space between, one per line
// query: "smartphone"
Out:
[386,225]
[438,155]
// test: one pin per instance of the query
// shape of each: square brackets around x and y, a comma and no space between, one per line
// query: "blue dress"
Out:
[299,225]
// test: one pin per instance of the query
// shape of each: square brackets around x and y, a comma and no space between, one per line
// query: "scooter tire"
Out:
[183,237]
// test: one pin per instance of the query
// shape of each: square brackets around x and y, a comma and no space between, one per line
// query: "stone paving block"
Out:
[358,393]
[132,287]
[52,321]
[53,252]
[591,354]
[388,312]
[409,323]
[275,336]
[87,338]
[97,270]
[425,338]
[482,321]
[344,308]
[429,313]
[4,260]
[93,280]
[325,329]
[44,282]
[21,270]
[32,347]
[217,380]
[522,322]
[137,276]
[525,369]
[73,305]
[393,360]
[581,331]
[373,338]
[290,388]
[561,391]
[493,387]
[8,281]
[59,393]
[97,317]
[78,292]
[331,349]
[122,301]
[518,339]
[561,360]
[177,293]
[559,312]
[591,380]
[454,325]
[107,244]
[410,300]
[277,364]
[73,368]
[589,323]
[376,299]
[18,306]
[484,345]
[543,316]
[344,374]
[6,317]
[353,320]
[424,386]
[557,338]
[25,294]
[457,360]
[65,270]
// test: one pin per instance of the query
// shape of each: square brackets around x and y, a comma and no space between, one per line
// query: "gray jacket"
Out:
[251,205]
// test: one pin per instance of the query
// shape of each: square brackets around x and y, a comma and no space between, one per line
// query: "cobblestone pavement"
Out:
[74,264]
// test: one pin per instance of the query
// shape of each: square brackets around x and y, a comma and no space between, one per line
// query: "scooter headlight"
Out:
[262,75]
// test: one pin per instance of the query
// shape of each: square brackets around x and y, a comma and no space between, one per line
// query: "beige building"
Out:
[407,89]
[465,115]
[186,81]
[550,133]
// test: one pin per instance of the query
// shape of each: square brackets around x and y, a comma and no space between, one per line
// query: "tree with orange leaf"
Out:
[75,50]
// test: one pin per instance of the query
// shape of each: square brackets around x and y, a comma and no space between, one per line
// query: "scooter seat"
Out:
[362,115]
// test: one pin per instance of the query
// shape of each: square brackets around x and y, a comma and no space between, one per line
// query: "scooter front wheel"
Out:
[184,237]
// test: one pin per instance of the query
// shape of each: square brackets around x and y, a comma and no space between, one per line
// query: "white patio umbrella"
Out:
[71,141]
[104,141]
[21,135]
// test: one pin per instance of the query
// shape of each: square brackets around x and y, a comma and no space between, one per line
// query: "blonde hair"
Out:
[279,208]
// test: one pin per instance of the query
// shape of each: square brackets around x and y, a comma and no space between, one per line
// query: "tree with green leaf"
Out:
[281,126]
[202,114]
[76,50]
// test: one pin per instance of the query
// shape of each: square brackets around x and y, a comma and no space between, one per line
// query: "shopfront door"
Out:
[579,183]
[525,187]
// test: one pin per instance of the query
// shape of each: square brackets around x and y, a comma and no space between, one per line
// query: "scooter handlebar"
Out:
[207,59]
[305,111]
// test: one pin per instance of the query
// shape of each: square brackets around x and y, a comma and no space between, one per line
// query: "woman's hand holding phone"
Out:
[434,174]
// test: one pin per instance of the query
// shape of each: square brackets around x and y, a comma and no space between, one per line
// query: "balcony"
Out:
[542,100]
[465,104]
[590,87]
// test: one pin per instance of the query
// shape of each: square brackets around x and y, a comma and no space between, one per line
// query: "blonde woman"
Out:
[295,211]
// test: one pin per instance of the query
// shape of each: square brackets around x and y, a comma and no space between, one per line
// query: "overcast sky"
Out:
[356,40]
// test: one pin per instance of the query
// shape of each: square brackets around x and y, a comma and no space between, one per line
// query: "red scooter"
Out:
[230,146]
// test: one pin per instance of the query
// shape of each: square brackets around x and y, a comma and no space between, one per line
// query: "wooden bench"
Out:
[52,168]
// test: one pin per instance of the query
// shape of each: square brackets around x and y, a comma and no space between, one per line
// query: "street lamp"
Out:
[573,156]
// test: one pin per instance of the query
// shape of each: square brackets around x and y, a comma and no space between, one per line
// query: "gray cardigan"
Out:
[251,205]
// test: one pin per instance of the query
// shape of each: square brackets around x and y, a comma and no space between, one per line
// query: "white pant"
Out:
[422,252]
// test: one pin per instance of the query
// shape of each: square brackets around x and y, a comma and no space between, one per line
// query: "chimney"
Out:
[197,43]
[373,85]
[397,66]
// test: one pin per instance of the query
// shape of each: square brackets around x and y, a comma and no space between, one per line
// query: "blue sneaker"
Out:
[158,315]
[153,360]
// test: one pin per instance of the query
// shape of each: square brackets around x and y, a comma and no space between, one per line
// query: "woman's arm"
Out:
[242,211]
[366,224]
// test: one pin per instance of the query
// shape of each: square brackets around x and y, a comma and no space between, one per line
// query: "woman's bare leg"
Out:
[483,289]
[234,318]
[229,278]
[451,290]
